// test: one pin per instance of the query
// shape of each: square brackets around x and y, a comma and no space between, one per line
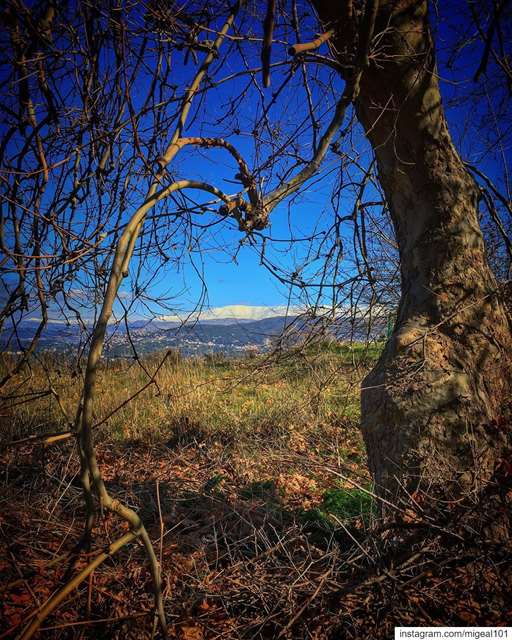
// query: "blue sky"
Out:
[243,281]
[226,263]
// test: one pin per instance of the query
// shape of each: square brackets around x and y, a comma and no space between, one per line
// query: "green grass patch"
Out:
[347,504]
[338,505]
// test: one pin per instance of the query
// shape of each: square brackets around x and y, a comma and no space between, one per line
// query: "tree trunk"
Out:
[430,406]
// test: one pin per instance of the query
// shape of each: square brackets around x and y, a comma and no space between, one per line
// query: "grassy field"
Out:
[250,447]
[234,401]
[269,420]
[250,476]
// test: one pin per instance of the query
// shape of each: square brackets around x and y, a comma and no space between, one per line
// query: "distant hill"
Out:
[226,335]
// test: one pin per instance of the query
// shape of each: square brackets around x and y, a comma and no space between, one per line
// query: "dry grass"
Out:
[232,466]
[240,401]
[238,450]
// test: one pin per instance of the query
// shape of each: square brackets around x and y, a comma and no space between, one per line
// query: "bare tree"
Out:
[94,194]
[429,405]
[76,115]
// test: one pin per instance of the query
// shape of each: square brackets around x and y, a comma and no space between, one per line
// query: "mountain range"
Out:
[227,335]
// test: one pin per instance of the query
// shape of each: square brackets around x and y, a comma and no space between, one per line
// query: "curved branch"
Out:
[172,148]
[350,93]
[91,474]
[245,176]
[61,595]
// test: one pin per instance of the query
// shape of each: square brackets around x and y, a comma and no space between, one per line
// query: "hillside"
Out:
[232,336]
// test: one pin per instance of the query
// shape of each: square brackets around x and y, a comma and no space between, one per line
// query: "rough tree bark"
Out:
[429,405]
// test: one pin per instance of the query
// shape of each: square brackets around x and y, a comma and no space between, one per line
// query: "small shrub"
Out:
[185,432]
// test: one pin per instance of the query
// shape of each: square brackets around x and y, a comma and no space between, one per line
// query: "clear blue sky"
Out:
[244,280]
[232,271]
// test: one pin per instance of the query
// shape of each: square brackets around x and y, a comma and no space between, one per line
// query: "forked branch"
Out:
[91,474]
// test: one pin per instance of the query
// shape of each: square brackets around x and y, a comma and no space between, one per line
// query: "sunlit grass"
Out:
[253,400]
